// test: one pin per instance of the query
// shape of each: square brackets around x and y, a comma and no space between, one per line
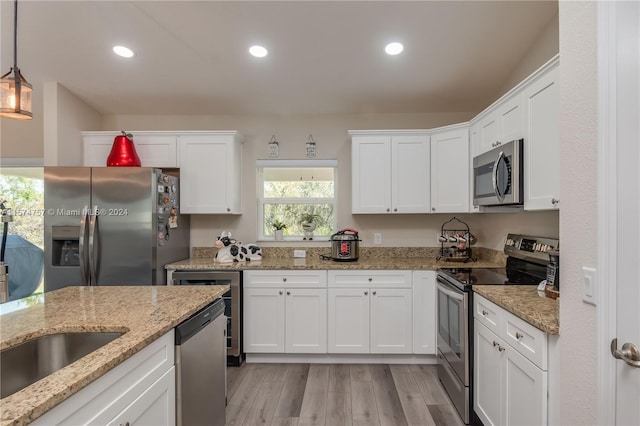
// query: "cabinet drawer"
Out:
[370,279]
[526,339]
[487,313]
[288,278]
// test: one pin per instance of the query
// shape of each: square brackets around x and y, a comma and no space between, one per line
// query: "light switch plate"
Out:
[299,253]
[589,285]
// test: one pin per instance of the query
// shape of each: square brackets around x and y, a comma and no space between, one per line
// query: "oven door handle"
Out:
[447,289]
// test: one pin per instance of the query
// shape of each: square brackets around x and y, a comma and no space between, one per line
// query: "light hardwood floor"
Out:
[337,394]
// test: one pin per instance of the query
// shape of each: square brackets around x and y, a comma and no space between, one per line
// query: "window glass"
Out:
[301,197]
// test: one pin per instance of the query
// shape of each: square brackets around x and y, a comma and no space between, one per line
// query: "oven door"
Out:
[453,330]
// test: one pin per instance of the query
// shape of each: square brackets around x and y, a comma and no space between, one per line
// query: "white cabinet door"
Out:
[511,118]
[488,389]
[390,172]
[210,173]
[450,167]
[525,390]
[424,312]
[489,132]
[410,174]
[542,142]
[348,319]
[155,406]
[155,149]
[371,174]
[306,320]
[264,320]
[391,321]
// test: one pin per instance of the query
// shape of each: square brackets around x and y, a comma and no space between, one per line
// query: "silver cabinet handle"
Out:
[554,201]
[388,210]
[395,210]
[501,349]
[629,353]
[288,293]
[495,343]
[284,280]
[280,293]
[228,209]
[374,293]
[366,292]
[370,279]
[433,209]
[519,335]
[484,313]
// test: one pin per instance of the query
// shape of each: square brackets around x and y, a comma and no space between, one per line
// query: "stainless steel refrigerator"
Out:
[111,226]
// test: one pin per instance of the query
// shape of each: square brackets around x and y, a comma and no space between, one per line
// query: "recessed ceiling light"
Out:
[393,48]
[125,52]
[258,51]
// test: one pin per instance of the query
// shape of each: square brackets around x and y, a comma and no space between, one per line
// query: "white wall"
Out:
[65,116]
[545,48]
[576,378]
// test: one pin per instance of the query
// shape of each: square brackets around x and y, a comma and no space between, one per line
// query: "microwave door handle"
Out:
[494,179]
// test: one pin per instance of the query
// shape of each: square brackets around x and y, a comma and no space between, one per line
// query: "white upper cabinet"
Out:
[155,149]
[210,172]
[542,142]
[390,172]
[504,123]
[450,171]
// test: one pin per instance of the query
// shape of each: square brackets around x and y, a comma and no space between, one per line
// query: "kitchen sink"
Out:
[28,362]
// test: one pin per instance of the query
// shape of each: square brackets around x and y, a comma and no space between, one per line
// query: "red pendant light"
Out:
[123,152]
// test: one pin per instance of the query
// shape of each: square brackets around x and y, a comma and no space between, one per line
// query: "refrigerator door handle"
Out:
[82,252]
[93,244]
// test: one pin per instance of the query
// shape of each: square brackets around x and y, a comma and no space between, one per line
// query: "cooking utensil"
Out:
[345,245]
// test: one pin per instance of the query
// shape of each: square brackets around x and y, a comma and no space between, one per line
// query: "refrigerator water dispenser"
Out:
[65,245]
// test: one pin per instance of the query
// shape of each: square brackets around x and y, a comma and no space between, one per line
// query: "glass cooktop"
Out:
[516,273]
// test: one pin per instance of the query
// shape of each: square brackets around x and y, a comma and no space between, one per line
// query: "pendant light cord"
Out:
[15,35]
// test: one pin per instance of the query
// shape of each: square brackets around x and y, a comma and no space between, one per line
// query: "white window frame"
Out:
[260,164]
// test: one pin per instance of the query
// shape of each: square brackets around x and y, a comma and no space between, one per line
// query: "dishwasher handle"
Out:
[191,326]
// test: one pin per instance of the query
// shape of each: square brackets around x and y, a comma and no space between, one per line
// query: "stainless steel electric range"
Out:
[527,262]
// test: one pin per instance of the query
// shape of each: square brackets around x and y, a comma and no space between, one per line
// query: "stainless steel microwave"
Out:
[498,175]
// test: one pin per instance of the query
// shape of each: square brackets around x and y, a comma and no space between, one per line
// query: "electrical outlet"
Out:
[377,238]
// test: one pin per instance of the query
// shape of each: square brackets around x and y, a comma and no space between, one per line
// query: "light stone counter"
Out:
[144,313]
[525,302]
[372,258]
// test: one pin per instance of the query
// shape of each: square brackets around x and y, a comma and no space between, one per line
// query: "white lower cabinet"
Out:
[370,312]
[509,389]
[285,312]
[424,312]
[139,391]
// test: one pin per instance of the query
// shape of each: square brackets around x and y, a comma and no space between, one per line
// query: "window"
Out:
[22,190]
[290,189]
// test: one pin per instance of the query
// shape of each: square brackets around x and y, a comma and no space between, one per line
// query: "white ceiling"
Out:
[324,56]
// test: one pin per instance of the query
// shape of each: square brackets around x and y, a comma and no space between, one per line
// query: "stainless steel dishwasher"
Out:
[201,368]
[232,299]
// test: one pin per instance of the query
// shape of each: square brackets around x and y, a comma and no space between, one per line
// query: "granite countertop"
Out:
[420,258]
[525,302]
[144,313]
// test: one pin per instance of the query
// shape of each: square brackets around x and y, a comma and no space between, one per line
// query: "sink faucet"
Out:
[4,268]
